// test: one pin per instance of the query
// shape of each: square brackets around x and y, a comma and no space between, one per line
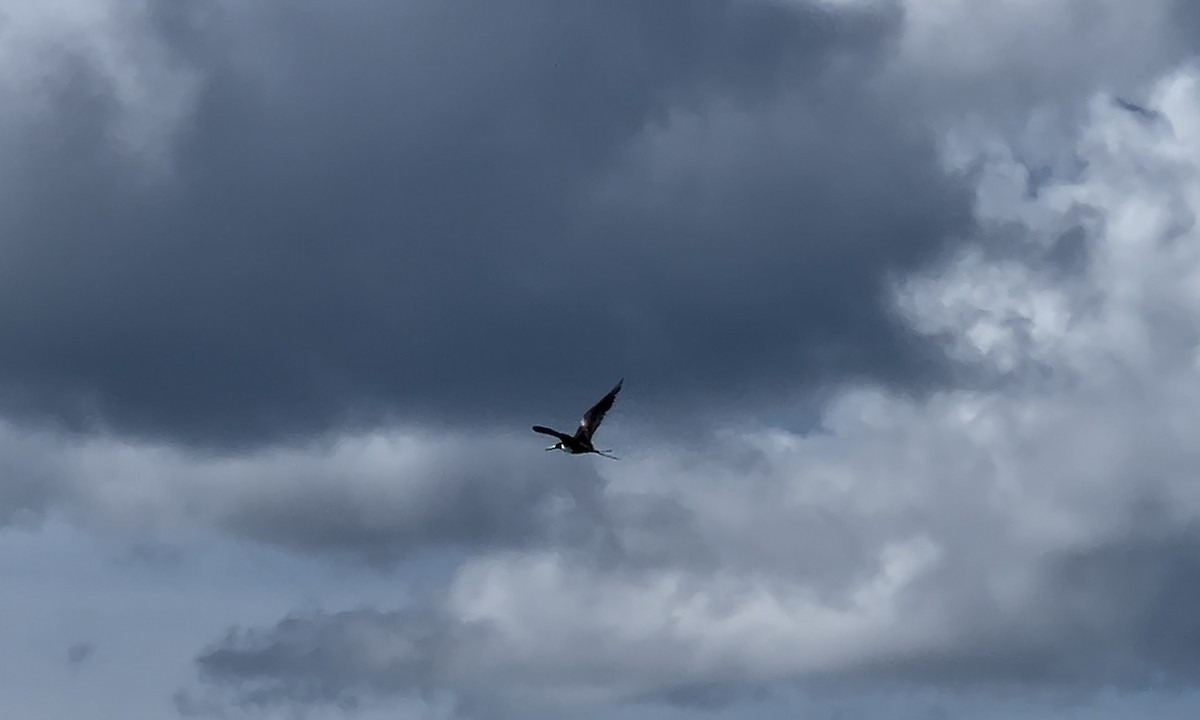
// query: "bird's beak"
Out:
[552,447]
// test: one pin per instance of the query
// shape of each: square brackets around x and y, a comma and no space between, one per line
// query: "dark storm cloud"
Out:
[467,213]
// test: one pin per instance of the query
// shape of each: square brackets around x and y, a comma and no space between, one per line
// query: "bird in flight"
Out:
[581,441]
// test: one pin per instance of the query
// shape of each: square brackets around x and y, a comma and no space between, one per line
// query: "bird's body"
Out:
[581,442]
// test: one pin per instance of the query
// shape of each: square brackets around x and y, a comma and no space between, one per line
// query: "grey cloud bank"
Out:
[905,301]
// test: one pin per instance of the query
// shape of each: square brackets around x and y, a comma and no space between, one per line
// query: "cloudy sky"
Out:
[905,294]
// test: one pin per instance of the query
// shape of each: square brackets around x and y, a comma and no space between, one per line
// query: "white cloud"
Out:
[953,512]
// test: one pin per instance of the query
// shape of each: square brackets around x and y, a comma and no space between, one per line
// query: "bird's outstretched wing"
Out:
[595,415]
[549,431]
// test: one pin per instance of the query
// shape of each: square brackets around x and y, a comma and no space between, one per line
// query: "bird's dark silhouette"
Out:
[581,442]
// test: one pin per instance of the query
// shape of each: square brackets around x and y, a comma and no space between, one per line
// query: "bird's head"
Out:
[556,446]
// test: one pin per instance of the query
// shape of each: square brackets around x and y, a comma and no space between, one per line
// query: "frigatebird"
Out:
[581,442]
